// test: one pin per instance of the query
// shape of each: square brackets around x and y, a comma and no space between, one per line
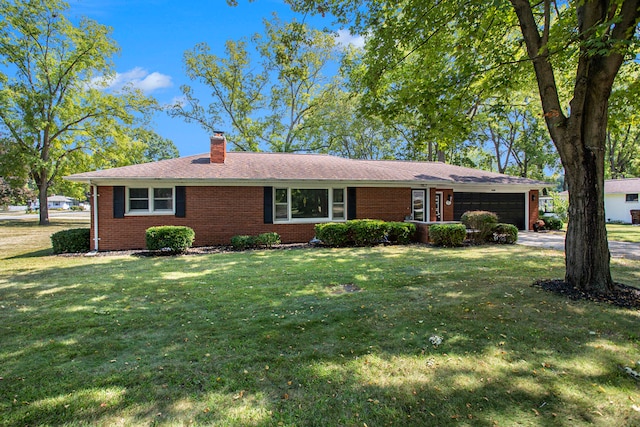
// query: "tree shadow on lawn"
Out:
[273,342]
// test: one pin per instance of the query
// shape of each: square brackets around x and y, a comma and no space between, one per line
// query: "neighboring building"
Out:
[221,194]
[61,202]
[620,198]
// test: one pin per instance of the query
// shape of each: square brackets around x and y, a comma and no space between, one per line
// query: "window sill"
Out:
[307,221]
[167,213]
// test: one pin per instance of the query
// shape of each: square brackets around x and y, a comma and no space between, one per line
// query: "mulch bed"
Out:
[624,296]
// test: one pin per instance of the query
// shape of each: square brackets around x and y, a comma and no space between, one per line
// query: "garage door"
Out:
[510,207]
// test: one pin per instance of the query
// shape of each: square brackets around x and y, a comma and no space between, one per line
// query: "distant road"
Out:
[52,214]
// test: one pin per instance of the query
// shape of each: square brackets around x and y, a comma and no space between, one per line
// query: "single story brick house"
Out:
[221,194]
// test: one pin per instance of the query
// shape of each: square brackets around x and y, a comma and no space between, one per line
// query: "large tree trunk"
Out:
[586,245]
[43,189]
[580,137]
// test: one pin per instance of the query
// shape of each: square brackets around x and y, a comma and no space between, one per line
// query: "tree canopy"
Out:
[573,51]
[54,102]
[265,101]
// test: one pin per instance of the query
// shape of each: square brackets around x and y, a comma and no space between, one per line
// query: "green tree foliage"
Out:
[623,131]
[575,50]
[510,128]
[265,101]
[53,99]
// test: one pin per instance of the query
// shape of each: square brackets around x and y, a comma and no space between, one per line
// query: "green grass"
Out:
[623,233]
[317,337]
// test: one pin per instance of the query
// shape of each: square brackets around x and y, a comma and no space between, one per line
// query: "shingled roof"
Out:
[628,185]
[272,167]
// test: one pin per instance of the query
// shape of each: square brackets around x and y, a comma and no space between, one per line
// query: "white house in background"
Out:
[61,202]
[621,196]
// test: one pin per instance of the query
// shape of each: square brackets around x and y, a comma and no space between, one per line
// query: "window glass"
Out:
[139,199]
[309,203]
[418,205]
[282,204]
[631,197]
[162,199]
[338,203]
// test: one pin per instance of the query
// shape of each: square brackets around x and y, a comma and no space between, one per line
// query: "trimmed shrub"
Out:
[242,242]
[505,233]
[552,223]
[267,240]
[367,232]
[169,238]
[333,233]
[447,235]
[482,222]
[73,240]
[400,233]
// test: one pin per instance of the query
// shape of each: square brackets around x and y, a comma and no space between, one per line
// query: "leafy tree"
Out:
[339,127]
[265,103]
[575,49]
[623,131]
[53,101]
[134,145]
[509,128]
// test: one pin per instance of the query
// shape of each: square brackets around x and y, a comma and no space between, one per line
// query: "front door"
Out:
[438,205]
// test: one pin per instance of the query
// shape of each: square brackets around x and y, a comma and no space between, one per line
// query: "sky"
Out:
[154,34]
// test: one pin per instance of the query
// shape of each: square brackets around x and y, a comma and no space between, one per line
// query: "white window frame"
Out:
[329,218]
[150,194]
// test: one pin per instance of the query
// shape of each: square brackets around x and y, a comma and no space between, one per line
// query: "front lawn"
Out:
[407,336]
[623,233]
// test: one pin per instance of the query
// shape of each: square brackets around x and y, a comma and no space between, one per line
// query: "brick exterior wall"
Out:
[447,210]
[387,204]
[218,213]
[534,207]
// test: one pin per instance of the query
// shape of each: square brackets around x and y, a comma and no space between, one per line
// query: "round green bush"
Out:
[74,240]
[170,238]
[482,222]
[267,239]
[505,233]
[400,233]
[242,242]
[447,235]
[552,223]
[333,233]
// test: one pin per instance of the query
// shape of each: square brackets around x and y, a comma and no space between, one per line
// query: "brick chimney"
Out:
[218,147]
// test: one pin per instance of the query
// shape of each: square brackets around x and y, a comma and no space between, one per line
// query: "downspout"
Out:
[95,218]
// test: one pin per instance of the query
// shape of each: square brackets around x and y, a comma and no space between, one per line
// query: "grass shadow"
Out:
[263,338]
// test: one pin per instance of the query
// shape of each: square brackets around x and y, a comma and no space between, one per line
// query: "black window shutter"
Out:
[268,205]
[118,202]
[351,202]
[181,201]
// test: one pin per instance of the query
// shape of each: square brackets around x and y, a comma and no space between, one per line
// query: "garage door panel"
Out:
[510,207]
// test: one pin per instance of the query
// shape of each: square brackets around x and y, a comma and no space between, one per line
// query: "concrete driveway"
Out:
[555,240]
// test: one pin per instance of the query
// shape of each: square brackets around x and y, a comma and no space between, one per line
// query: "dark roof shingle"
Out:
[250,166]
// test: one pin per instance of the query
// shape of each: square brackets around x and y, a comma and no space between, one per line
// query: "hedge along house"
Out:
[221,194]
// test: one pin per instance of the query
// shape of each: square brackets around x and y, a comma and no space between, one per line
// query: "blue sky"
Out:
[154,34]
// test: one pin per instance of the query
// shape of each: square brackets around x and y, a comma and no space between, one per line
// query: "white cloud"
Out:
[345,38]
[138,78]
